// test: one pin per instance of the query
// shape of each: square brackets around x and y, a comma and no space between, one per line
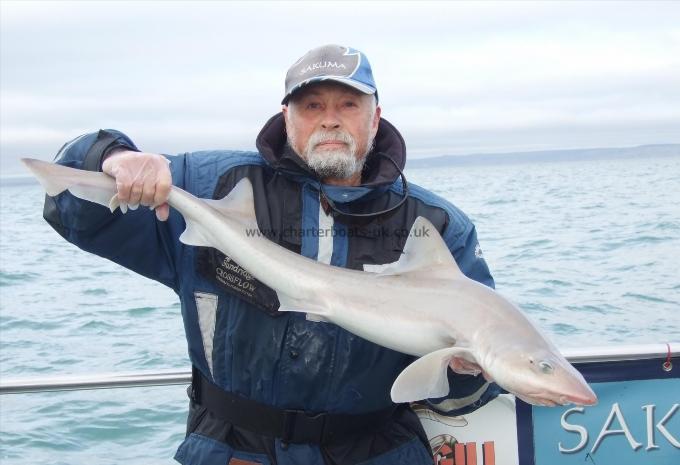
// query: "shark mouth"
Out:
[548,400]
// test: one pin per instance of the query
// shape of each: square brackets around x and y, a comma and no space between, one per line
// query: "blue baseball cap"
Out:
[331,63]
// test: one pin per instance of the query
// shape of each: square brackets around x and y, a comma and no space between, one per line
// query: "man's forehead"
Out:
[325,87]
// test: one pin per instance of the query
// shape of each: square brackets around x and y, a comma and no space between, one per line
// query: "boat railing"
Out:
[664,351]
[94,381]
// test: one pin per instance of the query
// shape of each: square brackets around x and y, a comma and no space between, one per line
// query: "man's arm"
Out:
[135,240]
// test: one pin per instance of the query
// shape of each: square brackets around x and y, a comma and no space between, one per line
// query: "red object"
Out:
[489,453]
[471,453]
[235,461]
[444,456]
[459,454]
[668,365]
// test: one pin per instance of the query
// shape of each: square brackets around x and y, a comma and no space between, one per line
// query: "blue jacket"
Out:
[234,334]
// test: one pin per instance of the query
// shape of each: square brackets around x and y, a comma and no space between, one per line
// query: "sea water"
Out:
[589,250]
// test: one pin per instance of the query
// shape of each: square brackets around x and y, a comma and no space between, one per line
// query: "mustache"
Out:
[319,137]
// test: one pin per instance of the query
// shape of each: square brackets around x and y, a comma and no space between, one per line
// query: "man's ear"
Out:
[376,119]
[286,114]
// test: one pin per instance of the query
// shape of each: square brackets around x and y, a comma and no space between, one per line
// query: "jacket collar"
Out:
[271,143]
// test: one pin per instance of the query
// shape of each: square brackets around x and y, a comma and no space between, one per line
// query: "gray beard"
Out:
[341,163]
[338,164]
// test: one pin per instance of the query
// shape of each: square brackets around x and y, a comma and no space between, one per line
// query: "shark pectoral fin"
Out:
[427,377]
[425,252]
[238,204]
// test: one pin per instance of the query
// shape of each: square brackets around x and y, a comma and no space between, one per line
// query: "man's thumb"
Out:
[162,211]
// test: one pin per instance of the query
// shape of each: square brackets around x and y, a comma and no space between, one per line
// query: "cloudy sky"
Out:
[455,78]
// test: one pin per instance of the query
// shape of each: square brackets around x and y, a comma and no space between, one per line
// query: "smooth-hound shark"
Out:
[421,305]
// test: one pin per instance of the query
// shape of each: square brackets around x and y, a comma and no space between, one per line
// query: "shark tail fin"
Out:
[427,377]
[238,205]
[87,185]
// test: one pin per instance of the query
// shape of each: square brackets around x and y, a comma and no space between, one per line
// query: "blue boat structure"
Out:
[636,420]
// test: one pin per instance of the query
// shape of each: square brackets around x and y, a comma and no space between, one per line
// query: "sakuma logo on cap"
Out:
[331,62]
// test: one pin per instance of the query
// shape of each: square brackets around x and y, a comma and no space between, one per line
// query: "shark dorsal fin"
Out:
[425,251]
[238,204]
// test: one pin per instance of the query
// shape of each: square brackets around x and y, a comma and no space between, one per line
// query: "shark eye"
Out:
[546,367]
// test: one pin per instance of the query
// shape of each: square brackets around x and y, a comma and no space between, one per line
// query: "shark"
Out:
[421,305]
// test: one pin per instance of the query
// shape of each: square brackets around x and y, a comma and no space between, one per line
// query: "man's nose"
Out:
[330,119]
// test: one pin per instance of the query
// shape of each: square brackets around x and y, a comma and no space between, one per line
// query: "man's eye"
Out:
[350,104]
[313,105]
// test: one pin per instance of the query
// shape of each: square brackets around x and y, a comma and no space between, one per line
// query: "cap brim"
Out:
[342,80]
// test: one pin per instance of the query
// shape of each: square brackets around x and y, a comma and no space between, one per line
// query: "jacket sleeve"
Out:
[467,393]
[135,240]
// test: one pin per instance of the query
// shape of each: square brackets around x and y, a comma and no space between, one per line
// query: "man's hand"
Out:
[141,178]
[465,367]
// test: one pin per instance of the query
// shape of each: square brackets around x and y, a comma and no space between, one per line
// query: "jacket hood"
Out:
[271,143]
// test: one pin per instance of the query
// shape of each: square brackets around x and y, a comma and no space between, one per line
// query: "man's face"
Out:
[332,127]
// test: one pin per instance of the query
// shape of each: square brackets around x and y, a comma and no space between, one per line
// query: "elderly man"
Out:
[275,387]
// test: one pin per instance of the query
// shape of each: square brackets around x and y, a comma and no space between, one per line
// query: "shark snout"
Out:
[586,396]
[577,389]
[575,392]
[552,399]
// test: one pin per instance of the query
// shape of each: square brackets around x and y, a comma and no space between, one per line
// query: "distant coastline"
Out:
[544,156]
[17,180]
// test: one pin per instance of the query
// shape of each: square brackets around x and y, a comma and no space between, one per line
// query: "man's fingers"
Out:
[162,211]
[136,193]
[464,367]
[162,191]
[148,194]
[123,187]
